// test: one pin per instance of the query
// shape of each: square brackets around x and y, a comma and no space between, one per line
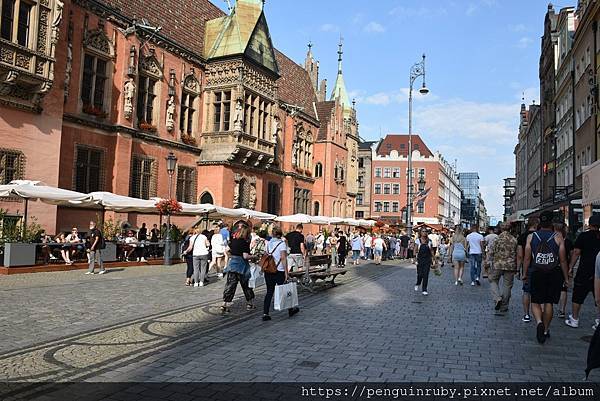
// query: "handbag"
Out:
[257,278]
[286,296]
[267,261]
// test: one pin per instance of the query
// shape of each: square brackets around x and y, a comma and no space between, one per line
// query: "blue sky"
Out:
[481,56]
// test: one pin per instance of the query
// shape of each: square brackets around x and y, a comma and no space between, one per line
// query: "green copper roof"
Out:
[244,31]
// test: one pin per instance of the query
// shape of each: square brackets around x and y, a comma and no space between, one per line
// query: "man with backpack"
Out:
[587,247]
[546,261]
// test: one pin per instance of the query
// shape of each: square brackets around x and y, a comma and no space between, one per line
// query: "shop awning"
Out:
[591,184]
[35,190]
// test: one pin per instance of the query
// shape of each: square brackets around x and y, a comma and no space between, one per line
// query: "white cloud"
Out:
[494,123]
[380,99]
[493,196]
[524,42]
[474,7]
[390,97]
[471,10]
[374,27]
[329,28]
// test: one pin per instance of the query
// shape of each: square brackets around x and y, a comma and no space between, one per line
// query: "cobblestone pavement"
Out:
[142,324]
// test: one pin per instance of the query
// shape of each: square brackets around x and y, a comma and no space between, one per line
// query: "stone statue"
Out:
[236,195]
[68,71]
[238,121]
[129,92]
[295,151]
[252,198]
[275,130]
[171,113]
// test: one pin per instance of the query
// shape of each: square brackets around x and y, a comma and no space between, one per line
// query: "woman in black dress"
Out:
[342,249]
[424,260]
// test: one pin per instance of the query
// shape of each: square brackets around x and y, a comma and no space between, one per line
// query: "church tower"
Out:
[339,89]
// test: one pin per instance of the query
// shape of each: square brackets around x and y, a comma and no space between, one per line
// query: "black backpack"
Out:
[545,258]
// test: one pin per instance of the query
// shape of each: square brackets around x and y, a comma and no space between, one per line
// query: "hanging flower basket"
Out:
[94,111]
[168,206]
[144,126]
[189,140]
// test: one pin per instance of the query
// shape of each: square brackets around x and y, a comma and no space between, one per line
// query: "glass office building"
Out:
[469,184]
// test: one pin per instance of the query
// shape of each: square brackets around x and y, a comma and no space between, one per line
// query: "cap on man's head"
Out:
[594,220]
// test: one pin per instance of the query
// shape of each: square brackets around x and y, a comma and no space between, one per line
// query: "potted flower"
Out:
[168,206]
[189,140]
[94,110]
[145,126]
[110,229]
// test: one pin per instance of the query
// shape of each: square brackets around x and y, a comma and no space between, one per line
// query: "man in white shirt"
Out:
[434,237]
[489,254]
[476,243]
[368,241]
[320,242]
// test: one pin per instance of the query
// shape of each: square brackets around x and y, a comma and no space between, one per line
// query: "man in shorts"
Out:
[295,241]
[586,249]
[546,256]
[532,226]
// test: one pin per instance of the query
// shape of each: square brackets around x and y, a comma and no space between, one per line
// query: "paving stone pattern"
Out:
[143,325]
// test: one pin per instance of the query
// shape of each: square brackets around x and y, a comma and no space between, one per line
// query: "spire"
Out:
[312,67]
[339,89]
[340,52]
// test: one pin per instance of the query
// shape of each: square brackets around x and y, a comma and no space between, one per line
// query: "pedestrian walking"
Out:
[435,238]
[238,267]
[218,248]
[532,226]
[378,248]
[332,244]
[97,244]
[320,242]
[368,244]
[586,249]
[277,249]
[198,247]
[504,266]
[189,259]
[310,244]
[357,248]
[342,249]
[458,254]
[545,255]
[489,240]
[475,246]
[404,244]
[424,252]
[295,241]
[561,229]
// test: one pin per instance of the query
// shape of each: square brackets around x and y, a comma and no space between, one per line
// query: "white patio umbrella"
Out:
[352,222]
[366,223]
[298,218]
[253,214]
[120,203]
[36,190]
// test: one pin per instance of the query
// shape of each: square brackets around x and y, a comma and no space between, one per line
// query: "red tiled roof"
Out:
[294,86]
[400,144]
[324,112]
[182,21]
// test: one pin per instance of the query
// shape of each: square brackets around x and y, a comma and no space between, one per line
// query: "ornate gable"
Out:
[191,83]
[260,47]
[150,65]
[97,41]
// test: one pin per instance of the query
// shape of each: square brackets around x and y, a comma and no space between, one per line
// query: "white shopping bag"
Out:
[286,296]
[257,277]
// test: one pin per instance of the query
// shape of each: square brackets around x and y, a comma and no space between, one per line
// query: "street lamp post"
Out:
[171,164]
[417,70]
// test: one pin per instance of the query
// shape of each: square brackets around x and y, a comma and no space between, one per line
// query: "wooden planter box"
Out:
[19,254]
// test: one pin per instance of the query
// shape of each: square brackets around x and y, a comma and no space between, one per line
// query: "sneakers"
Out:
[143,260]
[498,305]
[571,322]
[293,311]
[102,272]
[596,324]
[477,282]
[266,318]
[201,284]
[196,285]
[460,282]
[425,293]
[456,283]
[90,273]
[472,284]
[416,288]
[220,275]
[526,318]
[539,333]
[561,315]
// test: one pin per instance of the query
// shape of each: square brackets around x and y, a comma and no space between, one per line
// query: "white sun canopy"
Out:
[35,190]
[120,203]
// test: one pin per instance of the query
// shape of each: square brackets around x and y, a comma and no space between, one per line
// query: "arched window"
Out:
[316,209]
[318,170]
[206,198]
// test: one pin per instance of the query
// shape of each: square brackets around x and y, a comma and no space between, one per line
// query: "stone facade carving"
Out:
[222,73]
[129,94]
[238,121]
[170,113]
[244,191]
[27,74]
[150,65]
[191,83]
[99,41]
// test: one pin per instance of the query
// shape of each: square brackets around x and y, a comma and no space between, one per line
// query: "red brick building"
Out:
[95,94]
